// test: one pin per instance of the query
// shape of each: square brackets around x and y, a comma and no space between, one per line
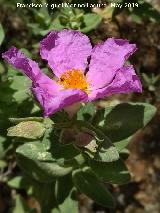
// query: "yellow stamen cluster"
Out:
[74,78]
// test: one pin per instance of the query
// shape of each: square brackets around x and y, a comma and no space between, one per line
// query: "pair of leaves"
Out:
[44,160]
[118,122]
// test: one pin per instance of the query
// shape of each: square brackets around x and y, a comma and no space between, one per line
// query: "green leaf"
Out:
[20,205]
[3,164]
[106,152]
[64,152]
[65,196]
[69,204]
[91,21]
[145,11]
[86,112]
[39,164]
[19,82]
[27,129]
[123,120]
[56,24]
[107,12]
[19,120]
[61,152]
[62,189]
[2,146]
[21,86]
[89,184]
[2,35]
[20,96]
[44,193]
[18,182]
[6,93]
[55,210]
[137,19]
[2,69]
[114,172]
[120,145]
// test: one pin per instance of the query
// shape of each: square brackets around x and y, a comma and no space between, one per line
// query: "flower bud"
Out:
[67,136]
[83,139]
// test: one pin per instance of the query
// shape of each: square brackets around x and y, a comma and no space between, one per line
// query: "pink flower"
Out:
[69,53]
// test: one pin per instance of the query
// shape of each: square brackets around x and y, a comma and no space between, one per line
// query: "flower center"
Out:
[74,78]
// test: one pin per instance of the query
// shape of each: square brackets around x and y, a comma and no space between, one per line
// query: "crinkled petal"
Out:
[30,68]
[125,81]
[59,100]
[106,59]
[65,50]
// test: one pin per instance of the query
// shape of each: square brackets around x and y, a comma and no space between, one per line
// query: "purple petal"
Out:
[125,81]
[106,59]
[30,68]
[59,100]
[65,50]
